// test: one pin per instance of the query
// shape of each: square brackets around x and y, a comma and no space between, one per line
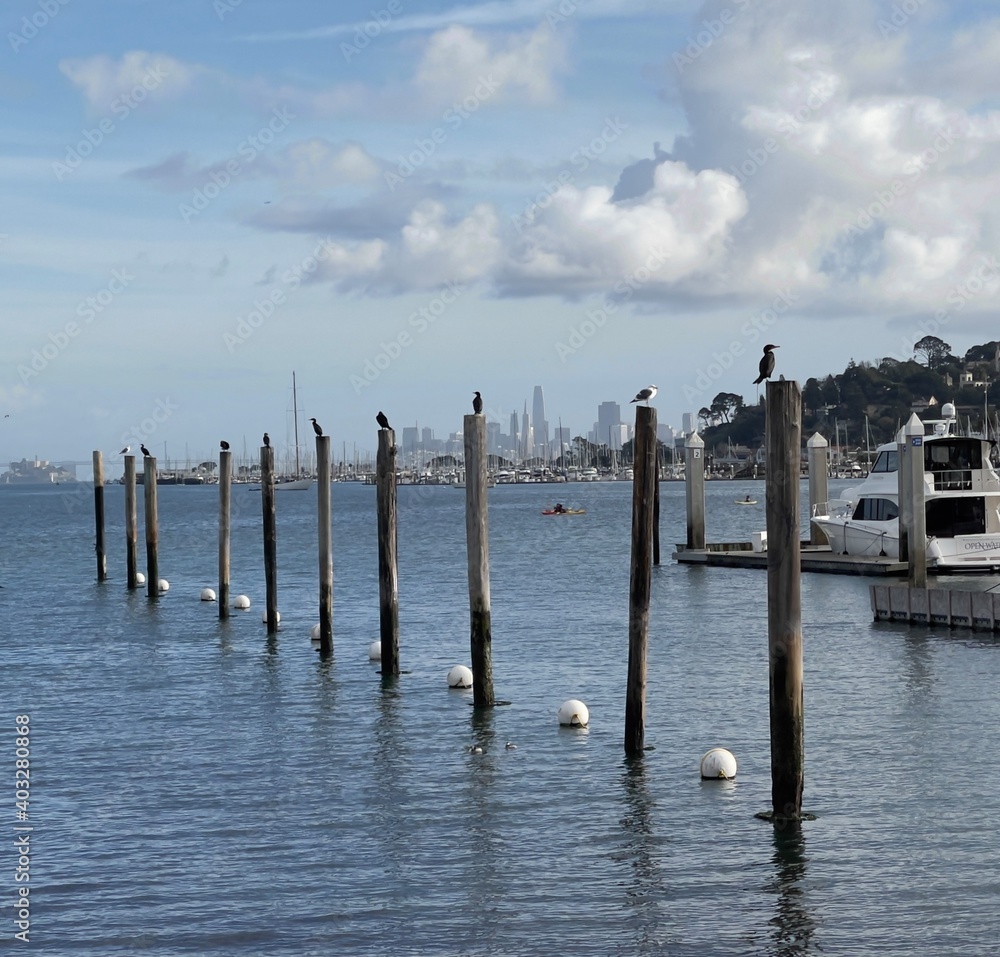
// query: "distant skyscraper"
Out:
[411,439]
[526,445]
[688,423]
[538,423]
[493,438]
[609,417]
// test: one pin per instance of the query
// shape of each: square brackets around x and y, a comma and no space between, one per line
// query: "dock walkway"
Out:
[815,558]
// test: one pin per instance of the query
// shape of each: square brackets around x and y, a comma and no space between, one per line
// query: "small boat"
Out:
[565,511]
[746,501]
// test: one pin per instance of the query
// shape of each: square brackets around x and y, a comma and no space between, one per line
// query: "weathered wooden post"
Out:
[784,598]
[643,489]
[819,473]
[656,515]
[694,489]
[102,558]
[270,537]
[152,533]
[914,517]
[131,524]
[324,510]
[478,545]
[388,584]
[225,497]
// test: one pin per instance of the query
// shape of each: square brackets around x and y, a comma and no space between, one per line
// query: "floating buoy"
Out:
[574,713]
[263,617]
[375,651]
[140,579]
[460,677]
[163,585]
[207,594]
[241,601]
[718,764]
[314,632]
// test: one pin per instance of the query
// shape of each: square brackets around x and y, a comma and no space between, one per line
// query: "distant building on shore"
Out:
[37,472]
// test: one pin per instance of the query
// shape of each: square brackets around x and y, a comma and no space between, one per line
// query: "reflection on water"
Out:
[792,925]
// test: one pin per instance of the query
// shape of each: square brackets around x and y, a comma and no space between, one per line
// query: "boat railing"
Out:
[953,480]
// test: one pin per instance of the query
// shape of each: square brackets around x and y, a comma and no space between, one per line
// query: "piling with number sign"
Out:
[819,473]
[131,524]
[694,489]
[325,519]
[643,491]
[152,533]
[102,558]
[477,543]
[225,494]
[912,515]
[270,537]
[784,599]
[388,579]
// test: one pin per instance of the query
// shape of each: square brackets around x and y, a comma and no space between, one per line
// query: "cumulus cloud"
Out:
[103,80]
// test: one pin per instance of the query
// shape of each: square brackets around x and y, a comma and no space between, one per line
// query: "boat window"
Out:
[875,510]
[954,454]
[947,517]
[887,461]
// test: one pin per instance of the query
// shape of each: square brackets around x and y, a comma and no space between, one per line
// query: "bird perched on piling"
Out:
[317,428]
[766,366]
[644,395]
[267,441]
[126,450]
[145,451]
[224,445]
[383,422]
[477,404]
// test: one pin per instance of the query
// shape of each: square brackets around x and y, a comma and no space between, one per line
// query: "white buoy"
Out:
[718,764]
[314,632]
[163,585]
[140,579]
[207,594]
[375,651]
[460,677]
[574,713]
[263,617]
[241,601]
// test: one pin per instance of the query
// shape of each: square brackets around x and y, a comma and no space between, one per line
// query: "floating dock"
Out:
[977,606]
[814,558]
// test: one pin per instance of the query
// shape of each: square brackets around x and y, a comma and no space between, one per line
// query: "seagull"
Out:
[145,451]
[477,404]
[267,441]
[126,450]
[644,395]
[383,422]
[766,366]
[316,427]
[224,445]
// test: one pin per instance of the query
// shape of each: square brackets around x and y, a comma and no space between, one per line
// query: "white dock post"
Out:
[819,473]
[911,516]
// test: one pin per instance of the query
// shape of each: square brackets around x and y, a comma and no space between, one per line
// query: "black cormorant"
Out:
[224,445]
[146,451]
[316,427]
[477,404]
[383,422]
[267,441]
[766,366]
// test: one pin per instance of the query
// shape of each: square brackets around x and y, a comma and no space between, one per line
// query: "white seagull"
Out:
[645,395]
[126,450]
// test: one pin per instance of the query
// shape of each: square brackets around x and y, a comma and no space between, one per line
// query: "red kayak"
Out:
[565,511]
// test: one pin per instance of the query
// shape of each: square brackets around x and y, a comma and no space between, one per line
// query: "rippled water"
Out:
[198,789]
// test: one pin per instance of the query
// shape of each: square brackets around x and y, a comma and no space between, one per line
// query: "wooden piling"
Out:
[478,546]
[324,513]
[656,516]
[131,523]
[270,537]
[912,514]
[694,489]
[388,584]
[102,558]
[784,600]
[819,474]
[225,496]
[152,532]
[643,491]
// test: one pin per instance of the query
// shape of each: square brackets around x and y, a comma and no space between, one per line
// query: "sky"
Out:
[405,201]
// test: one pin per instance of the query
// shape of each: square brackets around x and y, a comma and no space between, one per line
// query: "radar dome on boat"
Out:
[207,594]
[241,601]
[574,713]
[460,677]
[948,410]
[718,764]
[375,651]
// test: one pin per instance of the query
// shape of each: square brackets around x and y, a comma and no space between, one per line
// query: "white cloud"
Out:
[103,80]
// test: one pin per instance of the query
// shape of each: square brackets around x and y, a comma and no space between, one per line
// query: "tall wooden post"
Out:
[819,473]
[102,558]
[643,490]
[912,515]
[388,584]
[152,532]
[784,599]
[225,497]
[656,515]
[324,512]
[270,537]
[131,524]
[478,545]
[694,489]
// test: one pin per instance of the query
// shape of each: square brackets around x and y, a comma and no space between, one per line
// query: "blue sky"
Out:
[407,201]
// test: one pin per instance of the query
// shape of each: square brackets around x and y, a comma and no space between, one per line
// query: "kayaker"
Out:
[559,508]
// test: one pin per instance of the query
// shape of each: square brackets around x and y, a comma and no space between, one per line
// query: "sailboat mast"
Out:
[295,413]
